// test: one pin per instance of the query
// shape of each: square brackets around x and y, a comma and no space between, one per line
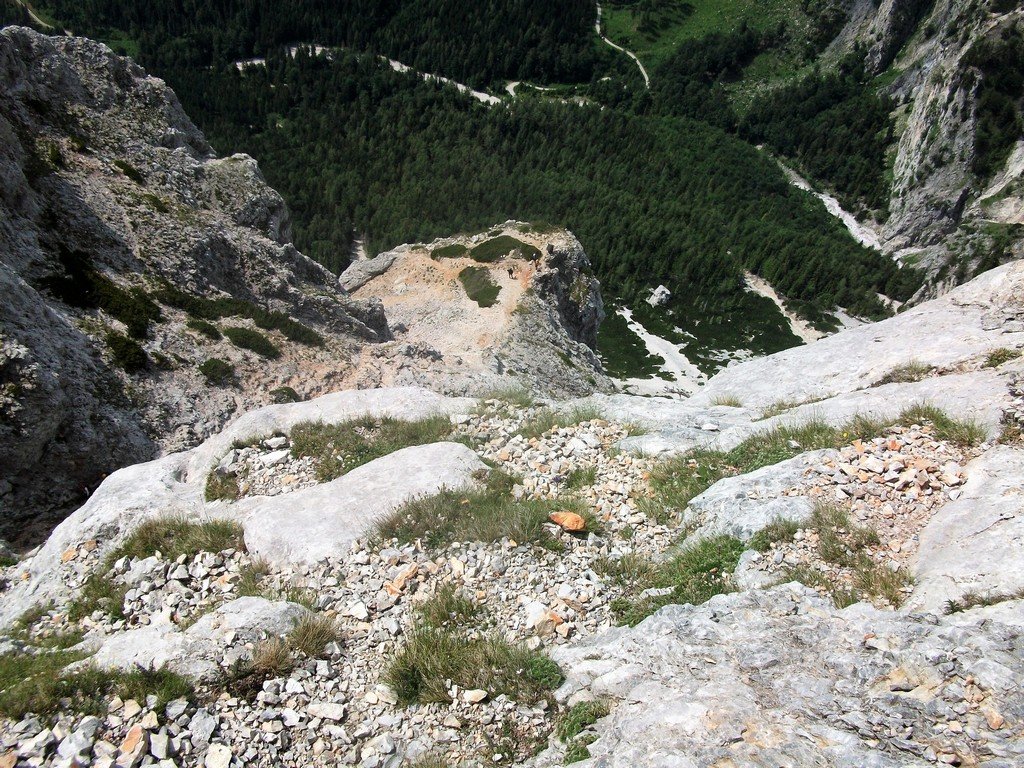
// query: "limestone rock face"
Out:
[174,486]
[976,543]
[109,190]
[307,526]
[781,677]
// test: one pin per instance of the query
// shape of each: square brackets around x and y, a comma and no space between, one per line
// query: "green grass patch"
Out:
[480,286]
[678,480]
[217,372]
[729,401]
[777,531]
[581,477]
[246,338]
[431,659]
[997,357]
[221,486]
[172,537]
[571,725]
[483,515]
[38,684]
[503,246]
[547,419]
[905,374]
[453,251]
[340,448]
[517,396]
[448,608]
[978,600]
[695,574]
[312,633]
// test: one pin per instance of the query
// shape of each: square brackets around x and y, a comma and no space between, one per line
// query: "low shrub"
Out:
[127,353]
[129,170]
[340,448]
[217,372]
[499,247]
[453,251]
[246,338]
[283,395]
[480,286]
[215,309]
[209,330]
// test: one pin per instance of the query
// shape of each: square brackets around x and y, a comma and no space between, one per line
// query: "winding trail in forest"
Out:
[33,15]
[633,56]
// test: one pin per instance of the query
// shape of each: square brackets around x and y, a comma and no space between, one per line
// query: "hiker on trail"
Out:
[511,272]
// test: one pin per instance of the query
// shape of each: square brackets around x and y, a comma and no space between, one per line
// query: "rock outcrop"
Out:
[112,201]
[539,333]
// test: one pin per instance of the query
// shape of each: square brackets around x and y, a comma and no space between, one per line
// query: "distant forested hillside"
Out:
[357,148]
[479,42]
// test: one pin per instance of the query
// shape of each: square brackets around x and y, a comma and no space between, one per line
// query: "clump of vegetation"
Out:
[312,634]
[443,649]
[202,327]
[970,600]
[448,608]
[677,481]
[480,286]
[285,395]
[127,353]
[250,582]
[905,374]
[215,309]
[547,419]
[778,530]
[517,396]
[581,477]
[499,247]
[730,401]
[129,170]
[38,684]
[247,338]
[172,537]
[217,372]
[999,356]
[340,448]
[80,284]
[573,722]
[222,486]
[485,515]
[695,574]
[453,251]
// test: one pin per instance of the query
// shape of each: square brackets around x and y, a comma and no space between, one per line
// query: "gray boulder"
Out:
[976,543]
[322,521]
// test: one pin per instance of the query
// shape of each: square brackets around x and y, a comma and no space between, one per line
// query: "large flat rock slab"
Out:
[967,323]
[174,485]
[976,543]
[309,525]
[743,505]
[781,677]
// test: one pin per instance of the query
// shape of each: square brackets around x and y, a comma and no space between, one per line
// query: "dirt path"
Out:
[33,15]
[633,56]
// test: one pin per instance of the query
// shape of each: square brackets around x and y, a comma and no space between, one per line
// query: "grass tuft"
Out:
[547,419]
[730,401]
[222,486]
[778,530]
[999,356]
[312,633]
[339,448]
[905,374]
[976,600]
[448,608]
[433,658]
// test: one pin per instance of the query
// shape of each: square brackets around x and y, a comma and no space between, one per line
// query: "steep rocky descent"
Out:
[537,330]
[941,211]
[111,201]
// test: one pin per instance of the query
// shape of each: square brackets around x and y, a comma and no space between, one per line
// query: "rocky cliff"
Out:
[945,214]
[151,290]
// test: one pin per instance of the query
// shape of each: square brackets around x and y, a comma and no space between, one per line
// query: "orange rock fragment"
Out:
[568,521]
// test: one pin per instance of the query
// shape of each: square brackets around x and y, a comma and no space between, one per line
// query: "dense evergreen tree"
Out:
[1000,113]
